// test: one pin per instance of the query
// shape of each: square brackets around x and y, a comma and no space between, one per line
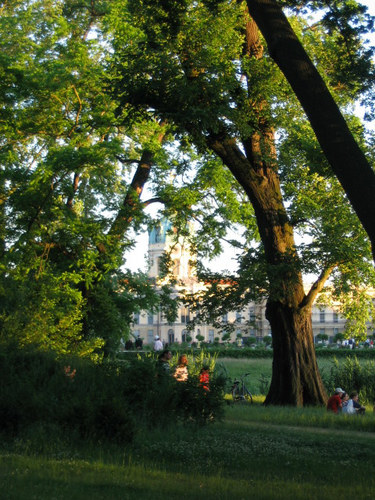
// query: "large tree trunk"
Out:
[295,375]
[347,160]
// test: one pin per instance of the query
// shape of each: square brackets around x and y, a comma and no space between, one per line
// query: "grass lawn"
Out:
[259,370]
[256,452]
[253,453]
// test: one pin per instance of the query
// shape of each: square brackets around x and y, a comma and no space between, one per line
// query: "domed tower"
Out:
[162,238]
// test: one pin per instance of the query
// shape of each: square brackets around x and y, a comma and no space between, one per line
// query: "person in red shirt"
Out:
[334,403]
[204,378]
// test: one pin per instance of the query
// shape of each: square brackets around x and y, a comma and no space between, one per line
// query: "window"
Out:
[238,317]
[158,238]
[335,331]
[176,267]
[183,336]
[335,317]
[160,266]
[150,336]
[322,331]
[322,316]
[170,336]
[185,315]
[150,319]
[239,337]
[136,319]
[224,318]
[252,315]
[211,335]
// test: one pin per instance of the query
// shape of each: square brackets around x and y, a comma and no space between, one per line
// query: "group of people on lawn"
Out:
[181,373]
[342,402]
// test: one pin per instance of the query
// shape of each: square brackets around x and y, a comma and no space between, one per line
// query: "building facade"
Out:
[248,323]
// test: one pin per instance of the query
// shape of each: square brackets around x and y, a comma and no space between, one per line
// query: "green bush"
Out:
[328,352]
[112,400]
[351,375]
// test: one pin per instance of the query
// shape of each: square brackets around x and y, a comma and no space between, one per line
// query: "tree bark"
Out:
[131,201]
[295,375]
[347,160]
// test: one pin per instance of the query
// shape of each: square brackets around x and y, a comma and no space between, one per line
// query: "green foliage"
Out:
[207,66]
[210,351]
[338,337]
[84,88]
[355,302]
[50,317]
[264,383]
[267,340]
[344,352]
[352,375]
[110,400]
[62,185]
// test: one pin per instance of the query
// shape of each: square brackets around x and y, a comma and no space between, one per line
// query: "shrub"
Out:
[196,405]
[352,375]
[112,400]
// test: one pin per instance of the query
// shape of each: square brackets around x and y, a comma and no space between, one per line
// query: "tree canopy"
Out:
[101,99]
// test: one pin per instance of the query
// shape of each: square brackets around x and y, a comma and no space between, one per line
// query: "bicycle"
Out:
[240,393]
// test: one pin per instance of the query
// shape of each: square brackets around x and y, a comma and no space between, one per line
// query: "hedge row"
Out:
[257,353]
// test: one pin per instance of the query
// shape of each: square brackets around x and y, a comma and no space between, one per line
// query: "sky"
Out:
[137,258]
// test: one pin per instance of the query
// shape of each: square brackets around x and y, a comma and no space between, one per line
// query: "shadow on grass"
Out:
[26,478]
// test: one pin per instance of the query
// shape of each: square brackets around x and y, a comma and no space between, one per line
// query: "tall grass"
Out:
[259,370]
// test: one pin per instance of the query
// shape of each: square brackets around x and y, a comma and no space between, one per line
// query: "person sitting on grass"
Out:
[181,372]
[344,401]
[163,361]
[334,403]
[354,407]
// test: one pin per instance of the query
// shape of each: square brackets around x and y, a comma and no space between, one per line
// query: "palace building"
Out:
[250,322]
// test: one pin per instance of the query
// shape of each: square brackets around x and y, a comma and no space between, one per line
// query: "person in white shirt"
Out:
[353,407]
[158,345]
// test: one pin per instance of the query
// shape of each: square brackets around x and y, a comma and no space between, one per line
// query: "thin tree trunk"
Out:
[131,202]
[347,160]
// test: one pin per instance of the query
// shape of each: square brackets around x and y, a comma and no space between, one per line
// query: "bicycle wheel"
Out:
[248,397]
